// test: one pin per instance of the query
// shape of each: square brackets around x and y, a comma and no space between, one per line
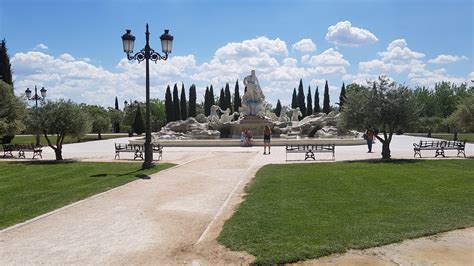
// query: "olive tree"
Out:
[12,111]
[60,118]
[385,108]
[99,118]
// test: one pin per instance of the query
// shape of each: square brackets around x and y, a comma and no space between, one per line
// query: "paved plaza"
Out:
[175,216]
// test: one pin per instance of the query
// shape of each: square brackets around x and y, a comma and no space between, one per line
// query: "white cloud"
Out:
[446,59]
[343,34]
[398,50]
[67,57]
[305,45]
[327,63]
[41,46]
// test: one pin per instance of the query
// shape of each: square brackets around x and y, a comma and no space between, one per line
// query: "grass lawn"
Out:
[21,139]
[29,189]
[461,136]
[302,211]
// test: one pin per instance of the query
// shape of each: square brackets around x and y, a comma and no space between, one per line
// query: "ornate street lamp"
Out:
[35,98]
[147,54]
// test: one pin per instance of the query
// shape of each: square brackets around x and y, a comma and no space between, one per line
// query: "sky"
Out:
[73,48]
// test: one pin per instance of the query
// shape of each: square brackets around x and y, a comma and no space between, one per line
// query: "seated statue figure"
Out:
[295,114]
[252,100]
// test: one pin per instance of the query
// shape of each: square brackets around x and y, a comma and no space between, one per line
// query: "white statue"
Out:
[213,115]
[226,116]
[283,114]
[295,114]
[252,100]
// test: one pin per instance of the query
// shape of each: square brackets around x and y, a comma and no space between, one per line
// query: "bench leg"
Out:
[309,155]
[461,152]
[440,152]
[138,154]
[117,154]
[21,154]
[417,152]
[35,153]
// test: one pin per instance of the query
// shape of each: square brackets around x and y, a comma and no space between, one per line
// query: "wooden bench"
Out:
[137,149]
[8,150]
[310,150]
[439,146]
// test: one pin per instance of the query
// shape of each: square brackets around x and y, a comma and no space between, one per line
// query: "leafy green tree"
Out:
[222,100]
[426,104]
[278,108]
[99,119]
[301,103]
[5,65]
[237,99]
[317,107]
[183,103]
[463,116]
[342,97]
[157,114]
[207,102]
[12,111]
[138,125]
[60,118]
[176,111]
[228,97]
[309,101]
[385,110]
[326,105]
[294,99]
[169,105]
[192,101]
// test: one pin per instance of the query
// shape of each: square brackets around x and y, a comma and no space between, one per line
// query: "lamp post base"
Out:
[148,165]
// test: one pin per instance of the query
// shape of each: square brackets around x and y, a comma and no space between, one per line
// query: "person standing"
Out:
[369,137]
[267,134]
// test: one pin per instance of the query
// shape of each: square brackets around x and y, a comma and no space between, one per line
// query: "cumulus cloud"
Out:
[446,59]
[398,50]
[343,34]
[305,46]
[41,46]
[328,62]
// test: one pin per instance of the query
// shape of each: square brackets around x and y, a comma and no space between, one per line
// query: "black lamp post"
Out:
[147,54]
[36,97]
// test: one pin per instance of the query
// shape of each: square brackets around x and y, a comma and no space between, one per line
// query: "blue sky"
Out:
[73,48]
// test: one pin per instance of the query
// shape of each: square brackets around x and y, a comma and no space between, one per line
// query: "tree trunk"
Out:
[99,136]
[386,150]
[455,135]
[429,133]
[59,154]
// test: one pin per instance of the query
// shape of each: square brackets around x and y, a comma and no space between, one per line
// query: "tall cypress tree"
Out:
[116,124]
[222,100]
[212,100]
[326,106]
[317,107]
[301,103]
[207,107]
[169,105]
[294,99]
[278,108]
[176,112]
[228,97]
[309,102]
[183,107]
[192,101]
[237,99]
[5,66]
[138,124]
[342,97]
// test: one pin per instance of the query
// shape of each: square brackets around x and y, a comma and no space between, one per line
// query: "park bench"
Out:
[8,150]
[137,149]
[310,150]
[439,146]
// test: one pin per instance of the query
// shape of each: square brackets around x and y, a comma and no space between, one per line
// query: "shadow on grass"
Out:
[384,161]
[43,162]
[135,173]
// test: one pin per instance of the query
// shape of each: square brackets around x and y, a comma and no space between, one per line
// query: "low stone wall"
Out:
[256,142]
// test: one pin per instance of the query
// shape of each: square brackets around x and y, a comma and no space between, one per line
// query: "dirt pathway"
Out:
[155,220]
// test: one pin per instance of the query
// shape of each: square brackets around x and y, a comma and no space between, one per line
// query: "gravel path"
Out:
[174,217]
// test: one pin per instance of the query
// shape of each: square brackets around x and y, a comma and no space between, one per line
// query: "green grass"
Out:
[21,139]
[303,211]
[29,189]
[461,136]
